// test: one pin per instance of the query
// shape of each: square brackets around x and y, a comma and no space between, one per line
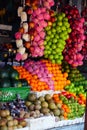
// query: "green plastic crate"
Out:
[10,94]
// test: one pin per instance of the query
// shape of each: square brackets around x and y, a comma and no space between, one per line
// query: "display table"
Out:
[71,127]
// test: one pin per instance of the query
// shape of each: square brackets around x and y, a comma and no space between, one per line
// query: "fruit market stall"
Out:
[41,86]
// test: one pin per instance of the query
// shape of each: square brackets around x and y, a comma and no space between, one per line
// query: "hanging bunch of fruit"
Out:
[39,19]
[56,35]
[84,49]
[43,32]
[24,38]
[32,3]
[75,42]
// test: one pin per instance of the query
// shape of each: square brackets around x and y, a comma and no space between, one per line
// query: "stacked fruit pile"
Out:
[7,122]
[76,90]
[74,75]
[64,105]
[43,75]
[46,75]
[44,105]
[16,107]
[72,51]
[76,105]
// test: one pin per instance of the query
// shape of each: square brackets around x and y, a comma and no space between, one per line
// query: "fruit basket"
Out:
[9,94]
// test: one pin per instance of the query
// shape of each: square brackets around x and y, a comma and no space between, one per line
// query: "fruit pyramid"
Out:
[43,75]
[74,75]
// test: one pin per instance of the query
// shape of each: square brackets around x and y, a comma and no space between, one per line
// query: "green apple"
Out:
[59,61]
[53,61]
[46,56]
[51,57]
[48,28]
[45,51]
[53,46]
[61,57]
[47,38]
[60,17]
[63,15]
[63,28]
[60,46]
[47,47]
[49,43]
[54,24]
[59,23]
[69,30]
[62,36]
[67,36]
[58,29]
[54,40]
[66,24]
[56,36]
[65,19]
[45,42]
[52,36]
[56,56]
[53,30]
[53,52]
[48,52]
[49,32]
[57,50]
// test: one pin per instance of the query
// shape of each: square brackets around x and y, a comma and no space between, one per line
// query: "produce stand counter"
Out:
[79,126]
[45,90]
